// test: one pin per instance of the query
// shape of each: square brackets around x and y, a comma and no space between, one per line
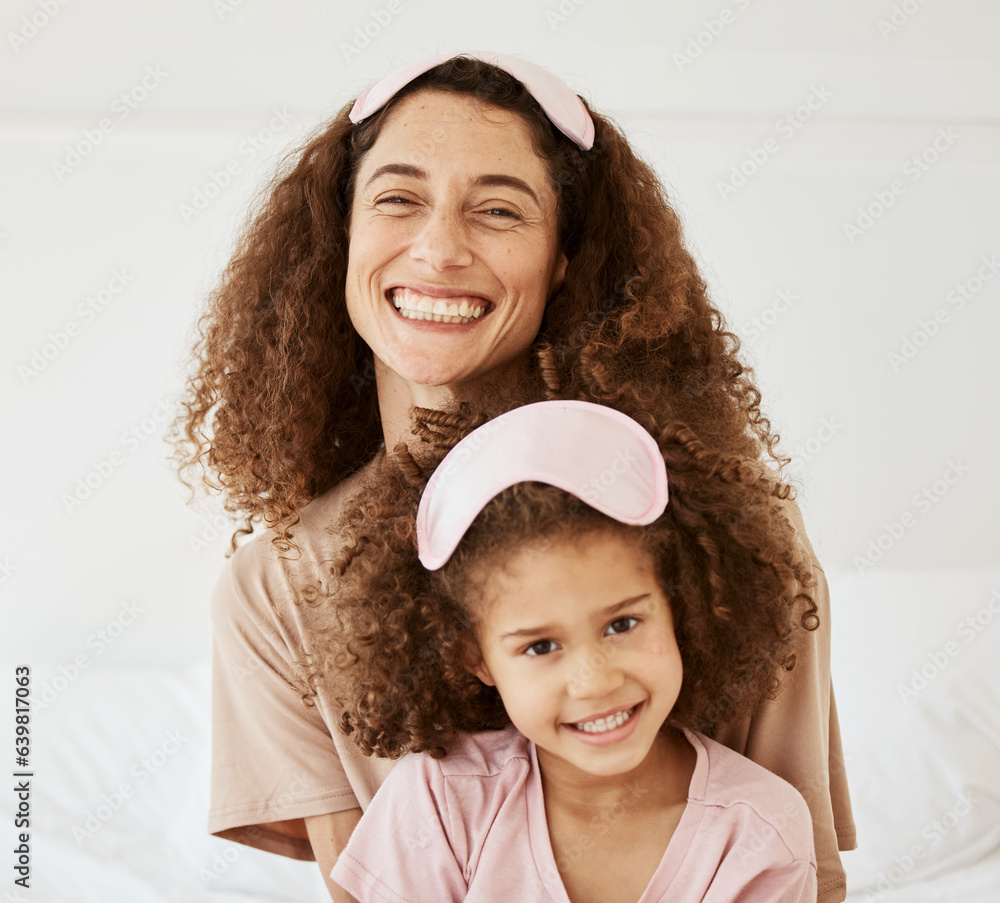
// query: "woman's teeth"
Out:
[415,306]
[600,725]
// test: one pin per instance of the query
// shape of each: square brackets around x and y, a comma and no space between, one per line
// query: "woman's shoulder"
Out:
[263,578]
[793,511]
[790,507]
[313,537]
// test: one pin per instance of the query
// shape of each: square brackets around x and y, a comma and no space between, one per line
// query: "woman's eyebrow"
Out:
[483,181]
[501,181]
[397,169]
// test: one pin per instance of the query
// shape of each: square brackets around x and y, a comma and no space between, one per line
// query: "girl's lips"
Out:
[606,738]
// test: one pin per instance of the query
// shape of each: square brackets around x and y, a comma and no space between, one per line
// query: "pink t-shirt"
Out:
[472,827]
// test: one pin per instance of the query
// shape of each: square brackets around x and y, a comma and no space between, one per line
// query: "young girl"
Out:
[569,628]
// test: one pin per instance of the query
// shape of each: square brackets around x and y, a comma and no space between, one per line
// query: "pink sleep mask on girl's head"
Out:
[596,453]
[563,108]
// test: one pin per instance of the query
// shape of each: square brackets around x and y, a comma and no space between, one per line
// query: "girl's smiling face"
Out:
[579,641]
[453,241]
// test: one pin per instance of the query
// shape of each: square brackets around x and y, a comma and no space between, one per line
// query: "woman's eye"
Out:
[393,199]
[502,212]
[622,625]
[542,647]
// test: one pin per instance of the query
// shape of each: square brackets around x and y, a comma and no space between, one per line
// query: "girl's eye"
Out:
[542,647]
[622,625]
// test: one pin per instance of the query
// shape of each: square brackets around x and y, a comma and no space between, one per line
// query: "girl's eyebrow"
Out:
[484,181]
[549,628]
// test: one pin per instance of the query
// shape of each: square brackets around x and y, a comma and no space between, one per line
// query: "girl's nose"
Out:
[594,675]
[442,241]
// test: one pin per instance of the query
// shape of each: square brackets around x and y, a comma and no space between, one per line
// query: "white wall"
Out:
[216,77]
[868,436]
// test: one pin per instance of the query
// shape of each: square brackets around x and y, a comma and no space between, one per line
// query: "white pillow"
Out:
[916,665]
[121,798]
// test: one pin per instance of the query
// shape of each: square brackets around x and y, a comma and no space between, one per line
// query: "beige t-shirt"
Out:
[274,759]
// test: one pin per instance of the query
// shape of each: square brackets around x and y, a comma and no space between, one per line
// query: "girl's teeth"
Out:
[414,306]
[600,725]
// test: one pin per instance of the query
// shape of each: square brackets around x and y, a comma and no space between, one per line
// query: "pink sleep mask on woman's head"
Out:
[563,108]
[596,453]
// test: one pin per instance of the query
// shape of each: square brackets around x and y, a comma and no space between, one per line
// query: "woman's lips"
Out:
[453,308]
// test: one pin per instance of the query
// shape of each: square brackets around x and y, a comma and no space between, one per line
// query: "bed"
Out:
[120,761]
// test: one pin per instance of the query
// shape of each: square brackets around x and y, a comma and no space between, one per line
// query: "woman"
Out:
[489,197]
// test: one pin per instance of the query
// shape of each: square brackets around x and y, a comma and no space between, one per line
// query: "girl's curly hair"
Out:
[394,657]
[281,404]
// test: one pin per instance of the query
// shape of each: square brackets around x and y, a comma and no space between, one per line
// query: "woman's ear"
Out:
[472,661]
[558,275]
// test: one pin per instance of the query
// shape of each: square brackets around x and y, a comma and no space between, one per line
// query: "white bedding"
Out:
[139,741]
[144,736]
[923,749]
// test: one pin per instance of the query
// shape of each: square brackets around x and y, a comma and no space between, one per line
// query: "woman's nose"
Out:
[593,675]
[442,241]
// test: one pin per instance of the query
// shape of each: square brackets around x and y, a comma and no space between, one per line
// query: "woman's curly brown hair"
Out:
[396,657]
[281,404]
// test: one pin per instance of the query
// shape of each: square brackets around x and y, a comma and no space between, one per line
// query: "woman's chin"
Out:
[430,379]
[440,374]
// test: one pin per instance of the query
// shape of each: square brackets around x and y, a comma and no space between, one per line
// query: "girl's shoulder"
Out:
[482,772]
[484,755]
[746,794]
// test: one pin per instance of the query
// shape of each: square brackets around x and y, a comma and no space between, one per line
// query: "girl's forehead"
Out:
[577,573]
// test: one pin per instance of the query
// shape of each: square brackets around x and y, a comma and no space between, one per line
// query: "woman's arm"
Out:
[328,835]
[275,762]
[797,737]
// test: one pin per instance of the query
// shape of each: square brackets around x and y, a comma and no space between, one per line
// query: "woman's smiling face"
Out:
[453,241]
